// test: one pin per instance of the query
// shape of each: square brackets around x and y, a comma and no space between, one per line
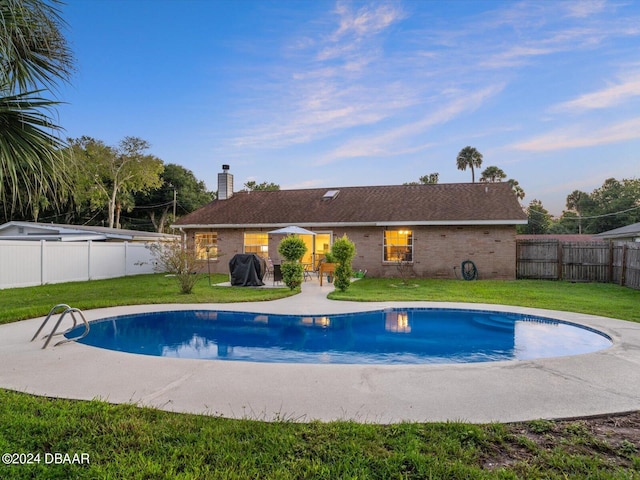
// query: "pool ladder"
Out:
[67,310]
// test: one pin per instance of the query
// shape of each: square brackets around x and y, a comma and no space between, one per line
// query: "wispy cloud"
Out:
[611,96]
[331,84]
[342,77]
[545,28]
[580,137]
[367,20]
[409,137]
[585,8]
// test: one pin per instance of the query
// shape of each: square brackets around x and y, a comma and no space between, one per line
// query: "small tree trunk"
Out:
[112,205]
[118,210]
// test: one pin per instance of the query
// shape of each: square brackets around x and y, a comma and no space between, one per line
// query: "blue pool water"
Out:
[390,336]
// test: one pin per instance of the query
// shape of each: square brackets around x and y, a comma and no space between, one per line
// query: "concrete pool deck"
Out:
[604,382]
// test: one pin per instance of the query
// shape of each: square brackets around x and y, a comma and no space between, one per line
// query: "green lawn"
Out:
[594,298]
[30,302]
[123,441]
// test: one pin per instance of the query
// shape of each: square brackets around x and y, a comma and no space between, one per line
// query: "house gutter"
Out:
[357,224]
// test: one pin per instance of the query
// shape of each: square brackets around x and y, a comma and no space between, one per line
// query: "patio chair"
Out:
[277,274]
[269,272]
[316,268]
[308,270]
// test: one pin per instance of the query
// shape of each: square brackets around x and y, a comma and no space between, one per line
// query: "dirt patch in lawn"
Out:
[613,438]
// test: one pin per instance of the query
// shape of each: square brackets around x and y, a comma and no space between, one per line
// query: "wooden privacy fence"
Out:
[608,262]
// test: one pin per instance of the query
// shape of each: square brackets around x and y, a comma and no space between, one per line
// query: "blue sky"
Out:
[335,93]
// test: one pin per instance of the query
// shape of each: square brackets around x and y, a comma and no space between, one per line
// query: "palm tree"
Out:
[469,157]
[34,57]
[517,189]
[492,174]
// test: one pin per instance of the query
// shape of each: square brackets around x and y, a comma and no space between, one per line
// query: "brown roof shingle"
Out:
[411,204]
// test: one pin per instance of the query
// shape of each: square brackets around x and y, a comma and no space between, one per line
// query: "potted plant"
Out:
[328,266]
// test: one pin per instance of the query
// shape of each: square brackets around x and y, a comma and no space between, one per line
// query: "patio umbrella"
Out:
[293,230]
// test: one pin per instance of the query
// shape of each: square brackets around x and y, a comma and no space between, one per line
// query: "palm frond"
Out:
[31,162]
[33,51]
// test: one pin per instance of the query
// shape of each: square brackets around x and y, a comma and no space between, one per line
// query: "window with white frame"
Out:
[257,243]
[398,246]
[206,245]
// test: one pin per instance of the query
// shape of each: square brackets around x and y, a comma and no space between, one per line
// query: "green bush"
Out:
[292,248]
[329,257]
[181,262]
[343,250]
[292,274]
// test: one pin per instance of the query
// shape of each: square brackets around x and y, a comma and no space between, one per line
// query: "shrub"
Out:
[292,274]
[343,250]
[292,248]
[182,262]
[329,257]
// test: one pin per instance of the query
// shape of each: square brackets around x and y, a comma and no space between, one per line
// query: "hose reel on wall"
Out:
[469,270]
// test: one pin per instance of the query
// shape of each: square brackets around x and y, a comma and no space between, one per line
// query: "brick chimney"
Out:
[225,184]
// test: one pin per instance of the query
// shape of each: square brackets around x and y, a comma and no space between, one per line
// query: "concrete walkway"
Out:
[591,384]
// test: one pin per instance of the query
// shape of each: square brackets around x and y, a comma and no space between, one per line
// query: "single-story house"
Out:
[55,232]
[433,228]
[628,233]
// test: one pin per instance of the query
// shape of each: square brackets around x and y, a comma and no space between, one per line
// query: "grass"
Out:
[124,441]
[607,300]
[30,302]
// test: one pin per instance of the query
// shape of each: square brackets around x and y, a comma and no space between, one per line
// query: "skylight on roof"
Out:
[330,194]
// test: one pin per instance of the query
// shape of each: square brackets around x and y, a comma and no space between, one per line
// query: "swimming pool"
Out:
[388,336]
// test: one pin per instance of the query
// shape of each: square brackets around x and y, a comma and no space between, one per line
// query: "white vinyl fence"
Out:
[28,263]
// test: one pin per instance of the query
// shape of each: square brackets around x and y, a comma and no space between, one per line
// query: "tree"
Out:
[568,223]
[85,157]
[576,201]
[180,190]
[469,157]
[517,189]
[615,204]
[251,185]
[34,58]
[112,175]
[492,174]
[431,178]
[539,219]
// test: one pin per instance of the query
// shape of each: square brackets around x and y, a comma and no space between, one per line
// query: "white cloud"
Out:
[582,137]
[609,97]
[366,21]
[402,139]
[333,82]
[585,8]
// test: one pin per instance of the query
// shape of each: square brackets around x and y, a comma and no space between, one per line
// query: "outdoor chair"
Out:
[308,270]
[277,274]
[269,272]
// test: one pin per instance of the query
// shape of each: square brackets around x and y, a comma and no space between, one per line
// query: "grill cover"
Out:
[247,270]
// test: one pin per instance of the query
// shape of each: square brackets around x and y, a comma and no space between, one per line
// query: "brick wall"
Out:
[436,250]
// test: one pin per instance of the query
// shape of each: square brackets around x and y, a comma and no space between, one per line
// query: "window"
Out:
[257,243]
[398,246]
[206,245]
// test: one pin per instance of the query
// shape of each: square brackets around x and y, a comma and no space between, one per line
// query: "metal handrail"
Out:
[53,333]
[51,312]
